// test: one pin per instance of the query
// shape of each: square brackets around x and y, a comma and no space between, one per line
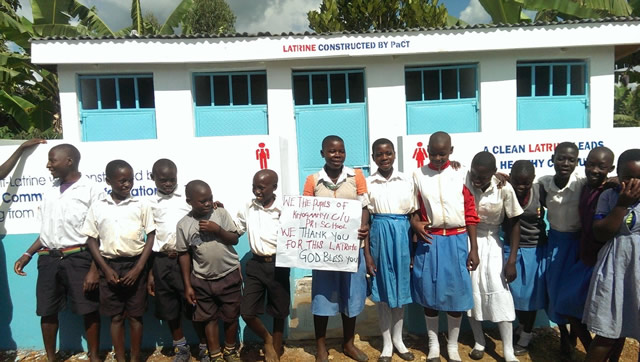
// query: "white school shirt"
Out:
[262,225]
[442,195]
[393,196]
[63,214]
[121,228]
[167,211]
[494,203]
[562,204]
[346,171]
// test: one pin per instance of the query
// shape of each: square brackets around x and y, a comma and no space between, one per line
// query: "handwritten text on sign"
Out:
[319,233]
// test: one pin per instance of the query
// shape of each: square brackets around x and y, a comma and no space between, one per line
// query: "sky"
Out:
[253,16]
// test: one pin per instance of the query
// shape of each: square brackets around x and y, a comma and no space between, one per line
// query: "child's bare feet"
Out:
[270,354]
[322,355]
[351,351]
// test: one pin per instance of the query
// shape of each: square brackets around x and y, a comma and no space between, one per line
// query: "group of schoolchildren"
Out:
[434,238]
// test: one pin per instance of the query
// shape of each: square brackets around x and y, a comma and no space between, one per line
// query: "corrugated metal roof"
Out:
[312,34]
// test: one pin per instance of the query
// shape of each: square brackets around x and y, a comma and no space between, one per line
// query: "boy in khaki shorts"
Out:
[210,269]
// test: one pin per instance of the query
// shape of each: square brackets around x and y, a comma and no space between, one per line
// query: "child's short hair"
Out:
[163,163]
[630,155]
[523,167]
[484,159]
[565,145]
[381,141]
[438,137]
[70,150]
[195,185]
[331,138]
[116,165]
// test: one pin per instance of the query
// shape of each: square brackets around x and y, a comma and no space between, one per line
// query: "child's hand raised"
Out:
[630,193]
[209,226]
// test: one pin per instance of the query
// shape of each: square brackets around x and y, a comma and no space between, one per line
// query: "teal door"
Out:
[330,103]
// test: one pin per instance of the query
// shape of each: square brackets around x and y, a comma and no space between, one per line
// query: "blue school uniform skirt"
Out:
[389,244]
[440,279]
[573,292]
[529,288]
[334,292]
[562,254]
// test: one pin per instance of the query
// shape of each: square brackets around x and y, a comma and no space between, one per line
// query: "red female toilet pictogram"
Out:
[262,155]
[420,154]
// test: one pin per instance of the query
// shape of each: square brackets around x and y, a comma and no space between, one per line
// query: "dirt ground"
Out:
[545,346]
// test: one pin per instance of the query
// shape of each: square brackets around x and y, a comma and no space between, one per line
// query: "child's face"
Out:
[480,176]
[565,161]
[59,163]
[629,170]
[263,188]
[598,166]
[201,201]
[522,184]
[121,183]
[334,154]
[439,153]
[166,180]
[384,156]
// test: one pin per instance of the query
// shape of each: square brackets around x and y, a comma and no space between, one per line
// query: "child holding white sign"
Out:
[261,219]
[336,292]
[391,200]
[440,274]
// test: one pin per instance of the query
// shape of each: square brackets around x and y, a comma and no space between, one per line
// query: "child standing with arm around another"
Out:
[210,269]
[261,219]
[612,310]
[492,299]
[443,258]
[117,225]
[391,200]
[528,288]
[336,292]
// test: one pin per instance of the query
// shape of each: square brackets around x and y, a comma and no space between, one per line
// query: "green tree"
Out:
[209,17]
[510,11]
[363,15]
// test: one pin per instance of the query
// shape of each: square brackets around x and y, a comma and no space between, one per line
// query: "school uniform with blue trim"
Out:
[336,292]
[391,201]
[564,235]
[529,288]
[440,279]
[492,299]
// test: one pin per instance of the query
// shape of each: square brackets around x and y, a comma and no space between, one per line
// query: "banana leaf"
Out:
[175,18]
[503,11]
[136,17]
[50,11]
[19,108]
[89,18]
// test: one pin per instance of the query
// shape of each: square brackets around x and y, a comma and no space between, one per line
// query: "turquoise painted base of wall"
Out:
[20,327]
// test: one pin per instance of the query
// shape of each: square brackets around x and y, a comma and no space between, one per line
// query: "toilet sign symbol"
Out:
[262,155]
[420,154]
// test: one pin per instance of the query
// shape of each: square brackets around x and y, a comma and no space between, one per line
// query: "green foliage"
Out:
[626,107]
[510,11]
[209,17]
[363,15]
[49,134]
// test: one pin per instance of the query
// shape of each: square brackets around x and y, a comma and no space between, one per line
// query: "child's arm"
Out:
[227,237]
[605,229]
[133,274]
[26,257]
[94,249]
[509,271]
[11,162]
[371,266]
[420,227]
[185,268]
[473,260]
[363,232]
[91,279]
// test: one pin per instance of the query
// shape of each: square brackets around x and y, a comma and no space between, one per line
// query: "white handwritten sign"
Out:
[319,233]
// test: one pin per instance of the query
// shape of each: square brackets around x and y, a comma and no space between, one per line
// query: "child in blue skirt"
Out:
[529,288]
[575,285]
[612,310]
[391,201]
[440,275]
[562,198]
[336,292]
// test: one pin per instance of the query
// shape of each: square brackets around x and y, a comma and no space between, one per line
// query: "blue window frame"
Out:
[329,87]
[442,98]
[230,104]
[552,95]
[117,107]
